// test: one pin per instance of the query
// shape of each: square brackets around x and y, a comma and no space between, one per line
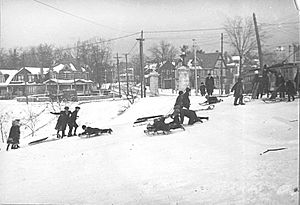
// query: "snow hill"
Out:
[217,162]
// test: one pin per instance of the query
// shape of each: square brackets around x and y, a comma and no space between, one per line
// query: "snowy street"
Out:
[219,161]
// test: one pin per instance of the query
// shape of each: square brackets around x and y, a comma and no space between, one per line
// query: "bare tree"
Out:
[241,34]
[162,52]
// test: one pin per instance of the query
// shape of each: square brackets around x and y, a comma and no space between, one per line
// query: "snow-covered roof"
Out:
[60,81]
[11,73]
[36,70]
[235,58]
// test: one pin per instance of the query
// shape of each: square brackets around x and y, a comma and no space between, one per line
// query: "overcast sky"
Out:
[29,22]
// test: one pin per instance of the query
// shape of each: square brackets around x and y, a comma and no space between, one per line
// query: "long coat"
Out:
[14,135]
[209,83]
[72,119]
[186,100]
[62,120]
[290,88]
[238,89]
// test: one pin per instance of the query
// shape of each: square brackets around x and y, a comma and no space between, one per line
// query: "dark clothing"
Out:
[62,121]
[290,90]
[280,84]
[210,85]
[90,131]
[297,81]
[202,89]
[160,125]
[14,137]
[238,92]
[186,100]
[179,101]
[72,122]
[191,114]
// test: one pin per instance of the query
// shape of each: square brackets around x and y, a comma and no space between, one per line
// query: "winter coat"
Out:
[186,100]
[179,101]
[62,120]
[238,89]
[209,83]
[72,119]
[14,135]
[202,89]
[290,89]
[280,83]
[90,131]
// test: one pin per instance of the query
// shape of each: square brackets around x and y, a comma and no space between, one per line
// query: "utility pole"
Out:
[195,59]
[118,70]
[127,82]
[142,66]
[222,60]
[258,43]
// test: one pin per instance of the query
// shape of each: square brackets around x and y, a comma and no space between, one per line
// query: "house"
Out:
[18,82]
[34,80]
[66,76]
[166,79]
[207,63]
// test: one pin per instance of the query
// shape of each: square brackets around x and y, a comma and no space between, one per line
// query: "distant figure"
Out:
[238,92]
[202,89]
[185,99]
[210,84]
[72,122]
[179,104]
[62,121]
[290,90]
[14,135]
[297,81]
[280,84]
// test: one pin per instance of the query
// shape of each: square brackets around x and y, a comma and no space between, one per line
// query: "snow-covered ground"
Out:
[216,162]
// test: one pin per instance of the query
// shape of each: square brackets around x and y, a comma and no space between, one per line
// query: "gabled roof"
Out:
[205,60]
[11,73]
[35,70]
[61,66]
[167,65]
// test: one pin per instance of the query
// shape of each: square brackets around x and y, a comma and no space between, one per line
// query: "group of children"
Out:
[180,111]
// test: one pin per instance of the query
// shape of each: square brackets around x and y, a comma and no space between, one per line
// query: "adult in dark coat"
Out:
[238,92]
[179,104]
[290,90]
[185,99]
[280,84]
[72,122]
[210,84]
[297,81]
[14,135]
[62,121]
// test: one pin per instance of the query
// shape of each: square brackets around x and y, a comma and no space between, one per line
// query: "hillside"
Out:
[216,162]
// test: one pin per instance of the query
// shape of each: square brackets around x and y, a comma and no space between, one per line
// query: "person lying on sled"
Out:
[94,131]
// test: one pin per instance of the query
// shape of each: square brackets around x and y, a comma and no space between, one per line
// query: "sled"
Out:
[275,100]
[145,119]
[209,107]
[37,141]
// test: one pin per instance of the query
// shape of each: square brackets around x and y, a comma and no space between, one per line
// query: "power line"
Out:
[188,30]
[103,41]
[132,47]
[79,17]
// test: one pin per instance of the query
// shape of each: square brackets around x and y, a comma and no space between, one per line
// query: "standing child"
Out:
[62,121]
[238,92]
[202,89]
[14,135]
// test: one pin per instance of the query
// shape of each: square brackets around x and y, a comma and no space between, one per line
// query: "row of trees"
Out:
[96,55]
